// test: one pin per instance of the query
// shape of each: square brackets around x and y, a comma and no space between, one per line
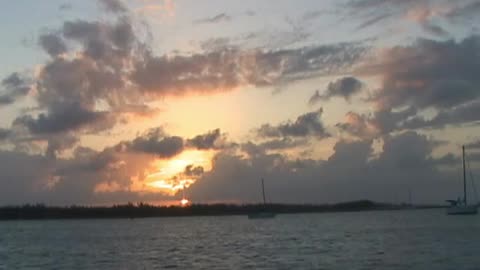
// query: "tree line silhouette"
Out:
[142,210]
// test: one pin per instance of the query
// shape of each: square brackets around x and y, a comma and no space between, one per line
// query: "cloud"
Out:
[430,73]
[69,89]
[158,143]
[463,11]
[229,68]
[435,29]
[14,86]
[416,80]
[194,171]
[345,87]
[64,117]
[373,21]
[222,17]
[305,125]
[381,122]
[101,73]
[282,144]
[114,6]
[52,44]
[458,115]
[4,133]
[211,140]
[352,172]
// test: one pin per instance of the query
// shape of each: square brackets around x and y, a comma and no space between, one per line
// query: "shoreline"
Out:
[142,210]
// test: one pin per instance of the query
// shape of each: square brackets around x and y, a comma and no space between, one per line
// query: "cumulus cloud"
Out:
[379,123]
[211,140]
[62,118]
[305,125]
[52,44]
[4,133]
[345,87]
[158,143]
[430,73]
[352,172]
[100,72]
[114,6]
[13,86]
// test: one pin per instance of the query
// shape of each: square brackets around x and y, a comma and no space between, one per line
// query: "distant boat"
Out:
[264,213]
[461,207]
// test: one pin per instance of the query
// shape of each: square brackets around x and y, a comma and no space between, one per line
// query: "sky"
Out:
[106,101]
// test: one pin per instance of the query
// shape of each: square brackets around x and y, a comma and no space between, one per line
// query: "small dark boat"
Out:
[263,213]
[461,207]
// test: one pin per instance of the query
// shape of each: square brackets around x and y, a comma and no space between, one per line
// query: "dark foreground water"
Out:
[421,239]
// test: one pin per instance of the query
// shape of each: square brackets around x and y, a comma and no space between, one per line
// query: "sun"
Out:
[184,202]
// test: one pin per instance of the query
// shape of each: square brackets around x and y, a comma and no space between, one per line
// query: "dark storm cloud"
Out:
[435,30]
[114,6]
[23,177]
[379,123]
[102,41]
[210,140]
[222,17]
[52,44]
[4,133]
[57,144]
[228,68]
[158,143]
[352,172]
[430,73]
[87,160]
[465,113]
[69,88]
[345,87]
[12,87]
[305,125]
[60,118]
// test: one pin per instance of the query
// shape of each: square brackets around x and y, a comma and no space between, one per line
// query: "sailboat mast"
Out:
[263,192]
[464,176]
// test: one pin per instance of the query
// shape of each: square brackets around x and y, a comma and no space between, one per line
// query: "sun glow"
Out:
[169,175]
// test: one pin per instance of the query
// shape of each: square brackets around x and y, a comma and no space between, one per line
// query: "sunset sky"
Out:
[110,101]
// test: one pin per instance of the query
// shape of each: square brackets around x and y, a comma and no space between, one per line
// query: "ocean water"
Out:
[419,239]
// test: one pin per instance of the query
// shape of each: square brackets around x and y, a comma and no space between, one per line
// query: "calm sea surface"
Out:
[421,239]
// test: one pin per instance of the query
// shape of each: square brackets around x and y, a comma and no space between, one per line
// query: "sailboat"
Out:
[264,213]
[461,207]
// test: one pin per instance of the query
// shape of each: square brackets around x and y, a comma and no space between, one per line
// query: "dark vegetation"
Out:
[143,210]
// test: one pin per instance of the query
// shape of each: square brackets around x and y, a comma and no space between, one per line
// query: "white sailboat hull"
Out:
[462,210]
